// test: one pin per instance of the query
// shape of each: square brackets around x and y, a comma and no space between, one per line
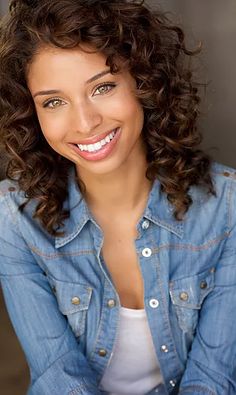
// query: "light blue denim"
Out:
[65,308]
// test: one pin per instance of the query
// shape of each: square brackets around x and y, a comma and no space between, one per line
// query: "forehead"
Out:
[51,63]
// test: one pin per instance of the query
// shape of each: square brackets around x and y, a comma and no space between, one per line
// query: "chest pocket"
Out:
[73,301]
[187,296]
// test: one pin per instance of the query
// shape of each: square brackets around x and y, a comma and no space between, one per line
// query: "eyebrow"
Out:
[92,79]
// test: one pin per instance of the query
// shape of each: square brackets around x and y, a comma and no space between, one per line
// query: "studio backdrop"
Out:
[213,22]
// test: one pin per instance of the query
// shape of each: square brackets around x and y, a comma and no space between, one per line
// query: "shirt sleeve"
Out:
[211,365]
[57,365]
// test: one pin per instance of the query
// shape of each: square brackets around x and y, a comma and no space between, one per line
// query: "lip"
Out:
[103,153]
[95,139]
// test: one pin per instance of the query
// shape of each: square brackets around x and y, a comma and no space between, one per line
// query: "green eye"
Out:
[53,103]
[104,88]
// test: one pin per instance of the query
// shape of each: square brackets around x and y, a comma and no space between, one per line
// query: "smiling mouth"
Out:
[99,144]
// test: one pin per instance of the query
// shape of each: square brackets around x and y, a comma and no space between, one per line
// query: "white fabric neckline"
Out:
[133,368]
[127,312]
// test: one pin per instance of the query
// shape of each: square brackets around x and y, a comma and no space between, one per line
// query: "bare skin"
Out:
[117,206]
[121,259]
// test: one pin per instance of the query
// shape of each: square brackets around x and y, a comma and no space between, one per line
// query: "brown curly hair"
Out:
[155,53]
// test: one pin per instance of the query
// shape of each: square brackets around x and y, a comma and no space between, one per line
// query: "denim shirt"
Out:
[65,308]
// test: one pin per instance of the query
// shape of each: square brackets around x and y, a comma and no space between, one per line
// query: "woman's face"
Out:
[86,114]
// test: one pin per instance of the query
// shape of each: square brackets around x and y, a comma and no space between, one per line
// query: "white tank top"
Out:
[133,367]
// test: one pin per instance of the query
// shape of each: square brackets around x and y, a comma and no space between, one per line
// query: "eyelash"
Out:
[48,102]
[105,85]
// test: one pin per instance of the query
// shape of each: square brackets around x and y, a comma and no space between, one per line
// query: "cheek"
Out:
[52,129]
[128,108]
[133,112]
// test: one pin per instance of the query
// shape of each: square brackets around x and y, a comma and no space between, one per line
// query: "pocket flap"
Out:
[72,297]
[190,291]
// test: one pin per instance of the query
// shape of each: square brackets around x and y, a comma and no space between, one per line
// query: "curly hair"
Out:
[156,55]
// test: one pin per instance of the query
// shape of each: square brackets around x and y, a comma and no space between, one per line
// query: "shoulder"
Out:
[11,199]
[221,206]
[7,186]
[10,194]
[222,174]
[223,179]
[17,226]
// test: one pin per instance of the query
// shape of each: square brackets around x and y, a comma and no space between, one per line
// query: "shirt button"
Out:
[102,352]
[145,224]
[111,303]
[11,189]
[172,383]
[154,303]
[164,348]
[203,284]
[147,252]
[75,300]
[183,296]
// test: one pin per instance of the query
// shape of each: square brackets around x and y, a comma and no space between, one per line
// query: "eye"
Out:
[104,88]
[53,103]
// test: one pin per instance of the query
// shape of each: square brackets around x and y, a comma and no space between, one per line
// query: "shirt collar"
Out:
[158,210]
[161,212]
[79,213]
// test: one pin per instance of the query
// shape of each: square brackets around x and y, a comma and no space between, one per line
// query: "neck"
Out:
[124,189]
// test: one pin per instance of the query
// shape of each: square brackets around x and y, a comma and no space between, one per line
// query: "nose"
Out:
[86,117]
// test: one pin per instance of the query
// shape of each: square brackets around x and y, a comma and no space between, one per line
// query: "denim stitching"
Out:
[197,388]
[155,250]
[92,356]
[60,254]
[190,246]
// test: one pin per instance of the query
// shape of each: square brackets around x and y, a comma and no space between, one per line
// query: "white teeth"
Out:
[98,145]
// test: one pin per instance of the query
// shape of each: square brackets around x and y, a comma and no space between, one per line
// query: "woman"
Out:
[117,237]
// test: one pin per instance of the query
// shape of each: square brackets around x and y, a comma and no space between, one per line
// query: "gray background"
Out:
[214,23]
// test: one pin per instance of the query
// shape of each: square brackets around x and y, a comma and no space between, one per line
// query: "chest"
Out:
[121,259]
